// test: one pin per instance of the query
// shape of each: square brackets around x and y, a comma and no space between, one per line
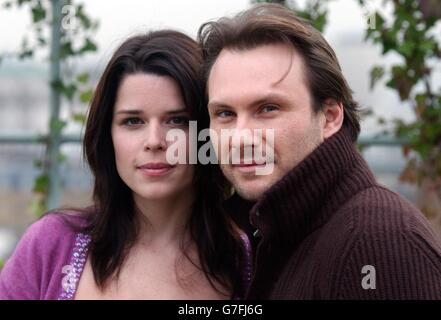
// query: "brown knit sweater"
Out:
[327,219]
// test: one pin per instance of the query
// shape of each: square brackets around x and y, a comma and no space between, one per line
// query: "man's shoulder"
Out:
[380,219]
[379,229]
[379,209]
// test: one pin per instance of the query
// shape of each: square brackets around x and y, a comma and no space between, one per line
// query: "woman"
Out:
[155,230]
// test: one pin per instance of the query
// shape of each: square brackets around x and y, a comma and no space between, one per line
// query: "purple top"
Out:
[49,259]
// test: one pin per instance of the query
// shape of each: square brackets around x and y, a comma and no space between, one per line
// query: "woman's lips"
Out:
[155,169]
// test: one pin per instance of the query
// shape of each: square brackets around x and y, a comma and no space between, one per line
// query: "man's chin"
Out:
[249,187]
[249,192]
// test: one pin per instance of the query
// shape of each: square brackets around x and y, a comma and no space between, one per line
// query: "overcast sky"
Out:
[120,18]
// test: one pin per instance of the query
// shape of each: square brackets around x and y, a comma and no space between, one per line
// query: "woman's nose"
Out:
[155,137]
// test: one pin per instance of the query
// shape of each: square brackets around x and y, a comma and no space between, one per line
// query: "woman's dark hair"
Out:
[112,220]
[273,23]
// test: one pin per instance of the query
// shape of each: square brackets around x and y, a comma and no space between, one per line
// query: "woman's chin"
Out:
[156,194]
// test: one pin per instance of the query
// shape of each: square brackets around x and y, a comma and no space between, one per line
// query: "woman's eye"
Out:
[132,122]
[178,121]
[269,108]
[224,114]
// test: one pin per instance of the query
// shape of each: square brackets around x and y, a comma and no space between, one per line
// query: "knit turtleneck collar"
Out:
[307,195]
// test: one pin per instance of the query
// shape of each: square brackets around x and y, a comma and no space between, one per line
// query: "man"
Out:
[323,227]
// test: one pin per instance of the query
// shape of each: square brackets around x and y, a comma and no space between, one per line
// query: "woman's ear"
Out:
[334,115]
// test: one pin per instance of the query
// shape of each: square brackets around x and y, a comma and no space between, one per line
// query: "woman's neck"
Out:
[163,221]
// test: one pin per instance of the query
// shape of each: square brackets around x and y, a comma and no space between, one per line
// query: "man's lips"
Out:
[247,167]
[252,164]
[155,169]
[247,163]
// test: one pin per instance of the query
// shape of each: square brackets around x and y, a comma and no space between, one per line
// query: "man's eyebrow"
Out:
[217,104]
[272,97]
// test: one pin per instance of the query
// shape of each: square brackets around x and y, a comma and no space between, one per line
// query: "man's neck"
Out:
[305,197]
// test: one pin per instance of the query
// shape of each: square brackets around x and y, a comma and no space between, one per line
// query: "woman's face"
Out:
[148,106]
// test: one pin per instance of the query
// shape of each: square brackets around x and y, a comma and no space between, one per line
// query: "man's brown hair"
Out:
[270,24]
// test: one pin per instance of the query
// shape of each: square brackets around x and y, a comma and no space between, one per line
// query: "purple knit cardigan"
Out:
[49,259]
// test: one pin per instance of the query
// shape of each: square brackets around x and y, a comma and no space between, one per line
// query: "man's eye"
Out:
[269,108]
[131,122]
[224,114]
[177,121]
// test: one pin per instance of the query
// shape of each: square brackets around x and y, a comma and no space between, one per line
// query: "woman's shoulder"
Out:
[62,220]
[44,248]
[54,229]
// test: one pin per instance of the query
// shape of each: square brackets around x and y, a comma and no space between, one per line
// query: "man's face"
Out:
[263,88]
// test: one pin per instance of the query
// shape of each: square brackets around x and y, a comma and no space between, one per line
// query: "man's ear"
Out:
[334,115]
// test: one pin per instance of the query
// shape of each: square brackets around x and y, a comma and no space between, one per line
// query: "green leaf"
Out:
[57,125]
[20,2]
[391,83]
[57,85]
[379,21]
[62,158]
[41,41]
[377,73]
[41,183]
[26,54]
[421,98]
[84,19]
[381,121]
[427,46]
[83,78]
[423,149]
[406,49]
[2,263]
[38,164]
[69,91]
[79,117]
[320,22]
[38,206]
[38,13]
[26,50]
[86,96]
[66,50]
[389,40]
[402,83]
[88,46]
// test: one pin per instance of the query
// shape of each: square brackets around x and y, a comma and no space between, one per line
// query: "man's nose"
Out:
[243,132]
[243,122]
[155,137]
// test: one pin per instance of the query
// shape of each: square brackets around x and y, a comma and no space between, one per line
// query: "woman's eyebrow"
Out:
[177,110]
[137,111]
[129,111]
